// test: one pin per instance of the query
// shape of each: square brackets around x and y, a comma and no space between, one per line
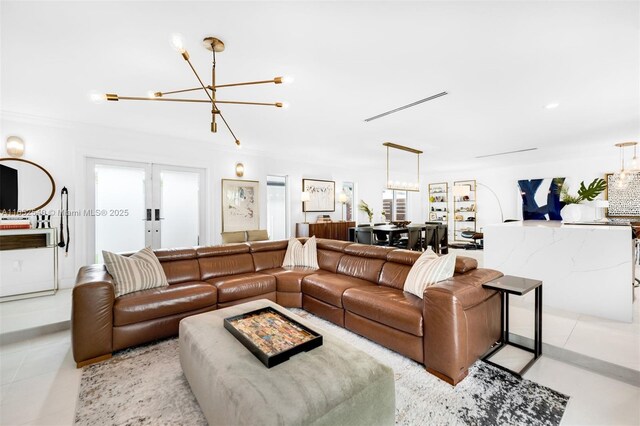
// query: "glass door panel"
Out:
[277,207]
[179,207]
[121,199]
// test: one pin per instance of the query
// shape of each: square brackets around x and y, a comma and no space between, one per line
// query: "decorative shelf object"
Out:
[439,202]
[465,209]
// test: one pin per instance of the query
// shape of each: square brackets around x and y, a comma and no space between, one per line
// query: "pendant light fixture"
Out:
[622,177]
[214,45]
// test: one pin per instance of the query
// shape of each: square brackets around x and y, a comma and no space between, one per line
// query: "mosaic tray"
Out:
[272,336]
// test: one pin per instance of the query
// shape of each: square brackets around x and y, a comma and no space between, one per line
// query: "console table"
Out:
[330,230]
[28,263]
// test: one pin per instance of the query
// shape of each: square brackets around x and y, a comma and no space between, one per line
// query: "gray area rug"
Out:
[145,386]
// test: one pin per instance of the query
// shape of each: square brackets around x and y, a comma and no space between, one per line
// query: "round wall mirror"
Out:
[24,186]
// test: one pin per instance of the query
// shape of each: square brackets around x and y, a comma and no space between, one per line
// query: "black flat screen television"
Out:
[8,188]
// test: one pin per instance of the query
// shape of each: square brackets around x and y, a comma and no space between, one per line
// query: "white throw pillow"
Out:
[428,270]
[140,271]
[302,255]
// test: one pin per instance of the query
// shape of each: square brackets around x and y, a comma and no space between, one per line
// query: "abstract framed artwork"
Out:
[543,204]
[322,195]
[240,205]
[624,199]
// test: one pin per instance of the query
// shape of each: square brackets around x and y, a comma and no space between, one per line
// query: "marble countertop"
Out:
[558,224]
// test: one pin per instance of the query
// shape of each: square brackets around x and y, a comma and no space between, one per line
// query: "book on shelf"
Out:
[23,226]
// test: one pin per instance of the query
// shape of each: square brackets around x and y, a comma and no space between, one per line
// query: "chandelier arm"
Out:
[274,104]
[275,80]
[138,98]
[201,83]
[180,91]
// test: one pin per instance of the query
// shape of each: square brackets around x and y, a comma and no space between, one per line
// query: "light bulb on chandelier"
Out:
[177,42]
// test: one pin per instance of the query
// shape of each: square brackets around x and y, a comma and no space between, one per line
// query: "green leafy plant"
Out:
[364,207]
[588,193]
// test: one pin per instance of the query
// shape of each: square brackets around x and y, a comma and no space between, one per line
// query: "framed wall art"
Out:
[240,205]
[623,197]
[322,195]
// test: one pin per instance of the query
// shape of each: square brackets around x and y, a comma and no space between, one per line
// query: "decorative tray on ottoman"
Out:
[272,336]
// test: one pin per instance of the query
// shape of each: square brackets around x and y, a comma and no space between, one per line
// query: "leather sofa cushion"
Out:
[268,259]
[259,246]
[334,245]
[162,302]
[241,286]
[289,278]
[465,264]
[467,288]
[179,271]
[329,287]
[394,275]
[165,255]
[328,259]
[386,305]
[219,266]
[361,267]
[365,250]
[405,257]
[223,250]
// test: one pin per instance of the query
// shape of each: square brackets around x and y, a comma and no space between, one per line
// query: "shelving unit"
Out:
[464,210]
[439,202]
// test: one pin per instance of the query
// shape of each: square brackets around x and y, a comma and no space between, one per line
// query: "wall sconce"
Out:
[15,146]
[304,197]
[239,169]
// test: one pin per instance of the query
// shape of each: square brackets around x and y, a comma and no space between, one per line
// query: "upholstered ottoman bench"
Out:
[334,384]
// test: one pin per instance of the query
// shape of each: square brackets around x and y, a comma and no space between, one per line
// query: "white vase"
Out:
[571,213]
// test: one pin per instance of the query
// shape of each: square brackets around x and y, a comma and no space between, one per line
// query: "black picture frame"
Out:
[322,195]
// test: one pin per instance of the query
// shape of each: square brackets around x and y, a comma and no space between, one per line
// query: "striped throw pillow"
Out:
[299,254]
[140,271]
[428,270]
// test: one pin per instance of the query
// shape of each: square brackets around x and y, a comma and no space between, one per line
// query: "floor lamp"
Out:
[305,196]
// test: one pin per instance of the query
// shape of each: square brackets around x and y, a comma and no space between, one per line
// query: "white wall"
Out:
[62,148]
[504,182]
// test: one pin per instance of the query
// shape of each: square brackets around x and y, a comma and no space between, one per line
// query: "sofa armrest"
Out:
[461,321]
[92,315]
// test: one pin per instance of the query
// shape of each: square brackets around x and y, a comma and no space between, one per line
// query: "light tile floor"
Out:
[607,340]
[40,386]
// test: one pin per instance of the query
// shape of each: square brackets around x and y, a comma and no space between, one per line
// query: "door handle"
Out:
[148,216]
[158,215]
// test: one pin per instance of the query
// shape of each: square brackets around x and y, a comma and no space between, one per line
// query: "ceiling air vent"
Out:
[507,152]
[412,104]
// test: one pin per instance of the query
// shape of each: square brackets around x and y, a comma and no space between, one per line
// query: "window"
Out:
[394,204]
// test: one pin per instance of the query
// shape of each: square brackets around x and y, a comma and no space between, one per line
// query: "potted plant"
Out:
[364,207]
[571,211]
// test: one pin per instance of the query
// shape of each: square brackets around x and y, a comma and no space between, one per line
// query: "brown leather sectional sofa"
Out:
[358,287]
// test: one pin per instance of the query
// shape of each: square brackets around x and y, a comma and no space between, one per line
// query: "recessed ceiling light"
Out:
[552,105]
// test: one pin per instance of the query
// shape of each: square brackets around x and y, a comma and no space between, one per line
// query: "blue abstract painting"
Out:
[541,198]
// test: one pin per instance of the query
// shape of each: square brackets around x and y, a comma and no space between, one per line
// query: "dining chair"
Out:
[364,235]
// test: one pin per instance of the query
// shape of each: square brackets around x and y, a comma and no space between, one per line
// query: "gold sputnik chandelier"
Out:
[214,45]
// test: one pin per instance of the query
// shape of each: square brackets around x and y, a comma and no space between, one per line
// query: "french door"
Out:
[136,205]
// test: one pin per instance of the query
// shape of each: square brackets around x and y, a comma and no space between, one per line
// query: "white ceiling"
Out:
[501,63]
